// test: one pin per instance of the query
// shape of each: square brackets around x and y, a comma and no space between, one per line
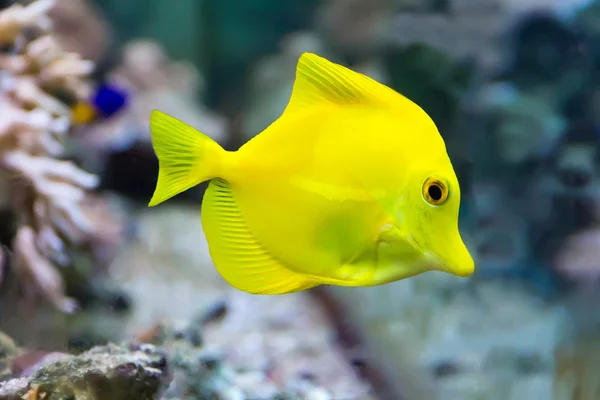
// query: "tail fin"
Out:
[186,156]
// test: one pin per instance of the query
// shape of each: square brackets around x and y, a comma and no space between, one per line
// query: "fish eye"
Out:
[435,192]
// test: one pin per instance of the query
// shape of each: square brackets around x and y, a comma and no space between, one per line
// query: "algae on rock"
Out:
[105,372]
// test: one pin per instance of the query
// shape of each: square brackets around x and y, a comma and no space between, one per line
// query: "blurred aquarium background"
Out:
[102,298]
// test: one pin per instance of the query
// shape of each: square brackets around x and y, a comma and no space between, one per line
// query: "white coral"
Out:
[46,192]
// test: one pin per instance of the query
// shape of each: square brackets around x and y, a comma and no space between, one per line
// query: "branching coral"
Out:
[38,80]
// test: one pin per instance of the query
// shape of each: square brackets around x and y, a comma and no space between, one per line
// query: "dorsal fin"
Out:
[320,82]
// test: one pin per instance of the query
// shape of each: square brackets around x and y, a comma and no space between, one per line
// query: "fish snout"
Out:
[456,259]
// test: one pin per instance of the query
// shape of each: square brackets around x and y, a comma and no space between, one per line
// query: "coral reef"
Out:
[527,127]
[516,81]
[52,198]
[460,31]
[81,29]
[200,373]
[157,82]
[175,367]
[465,28]
[357,27]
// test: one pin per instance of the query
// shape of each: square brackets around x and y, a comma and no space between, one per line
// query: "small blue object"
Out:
[108,100]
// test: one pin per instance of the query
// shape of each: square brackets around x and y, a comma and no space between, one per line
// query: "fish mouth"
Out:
[457,262]
[451,257]
[454,259]
[435,262]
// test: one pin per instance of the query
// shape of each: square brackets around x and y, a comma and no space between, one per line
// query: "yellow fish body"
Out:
[351,186]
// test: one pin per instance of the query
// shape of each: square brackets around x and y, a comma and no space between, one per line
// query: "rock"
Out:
[8,351]
[104,372]
[200,372]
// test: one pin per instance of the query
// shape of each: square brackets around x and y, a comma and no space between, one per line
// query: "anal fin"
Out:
[240,259]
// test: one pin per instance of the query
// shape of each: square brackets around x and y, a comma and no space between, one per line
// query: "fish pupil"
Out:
[435,192]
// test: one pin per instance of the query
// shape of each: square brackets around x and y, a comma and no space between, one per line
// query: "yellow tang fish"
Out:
[351,186]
